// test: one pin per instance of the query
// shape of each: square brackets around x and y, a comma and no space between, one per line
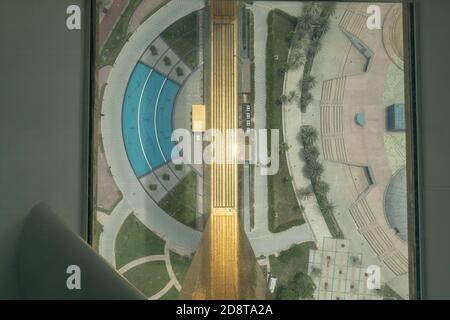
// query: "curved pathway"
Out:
[263,241]
[130,265]
[146,210]
[173,282]
[107,241]
[292,117]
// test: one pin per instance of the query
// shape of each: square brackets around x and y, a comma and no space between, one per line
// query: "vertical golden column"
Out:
[224,269]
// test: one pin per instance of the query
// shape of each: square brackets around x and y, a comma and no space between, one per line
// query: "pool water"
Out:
[147,119]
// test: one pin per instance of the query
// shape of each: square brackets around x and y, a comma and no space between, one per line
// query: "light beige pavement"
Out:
[292,120]
[330,63]
[145,8]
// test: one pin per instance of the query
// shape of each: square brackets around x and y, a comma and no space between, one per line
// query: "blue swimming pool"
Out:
[147,119]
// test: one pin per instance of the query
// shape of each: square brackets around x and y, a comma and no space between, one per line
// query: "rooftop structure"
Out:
[198,118]
[396,117]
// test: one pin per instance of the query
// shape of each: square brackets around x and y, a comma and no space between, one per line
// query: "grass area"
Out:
[182,37]
[180,203]
[284,211]
[149,278]
[136,241]
[180,265]
[328,214]
[118,36]
[291,269]
[172,294]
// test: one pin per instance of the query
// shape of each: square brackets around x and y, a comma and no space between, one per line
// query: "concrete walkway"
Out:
[260,181]
[173,282]
[263,241]
[138,262]
[267,243]
[292,117]
[107,241]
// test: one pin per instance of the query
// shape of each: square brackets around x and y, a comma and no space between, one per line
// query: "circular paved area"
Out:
[395,202]
[393,35]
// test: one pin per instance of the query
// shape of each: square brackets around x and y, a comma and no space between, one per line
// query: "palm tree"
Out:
[322,187]
[310,153]
[307,83]
[312,8]
[292,96]
[283,99]
[305,22]
[322,27]
[296,59]
[305,100]
[313,170]
[284,147]
[328,9]
[314,46]
[309,135]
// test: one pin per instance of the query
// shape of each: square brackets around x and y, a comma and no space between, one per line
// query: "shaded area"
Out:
[47,248]
[395,204]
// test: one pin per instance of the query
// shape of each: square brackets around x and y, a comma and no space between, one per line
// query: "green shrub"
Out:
[179,71]
[153,50]
[167,61]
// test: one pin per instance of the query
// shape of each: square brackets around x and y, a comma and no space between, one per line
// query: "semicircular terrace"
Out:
[147,119]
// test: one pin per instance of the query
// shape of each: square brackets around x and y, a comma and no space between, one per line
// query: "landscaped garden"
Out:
[149,277]
[313,170]
[119,35]
[180,202]
[291,270]
[284,210]
[134,241]
[182,37]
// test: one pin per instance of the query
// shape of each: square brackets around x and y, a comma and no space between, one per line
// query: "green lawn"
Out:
[149,277]
[118,36]
[182,37]
[284,211]
[136,241]
[172,294]
[180,203]
[291,269]
[180,265]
